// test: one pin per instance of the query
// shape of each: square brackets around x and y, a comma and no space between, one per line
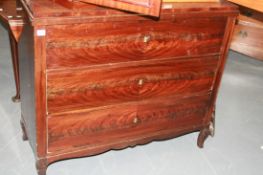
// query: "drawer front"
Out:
[249,35]
[102,43]
[247,39]
[73,90]
[124,123]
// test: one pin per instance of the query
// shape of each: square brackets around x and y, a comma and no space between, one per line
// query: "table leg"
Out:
[14,52]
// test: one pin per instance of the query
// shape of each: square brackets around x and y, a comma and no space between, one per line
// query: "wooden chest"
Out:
[95,79]
[248,34]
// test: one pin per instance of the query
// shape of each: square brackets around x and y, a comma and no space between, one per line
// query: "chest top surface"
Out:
[51,12]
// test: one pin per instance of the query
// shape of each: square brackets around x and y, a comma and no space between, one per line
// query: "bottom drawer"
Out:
[123,123]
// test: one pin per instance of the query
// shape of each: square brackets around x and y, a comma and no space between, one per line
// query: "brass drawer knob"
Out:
[135,120]
[146,38]
[19,9]
[141,82]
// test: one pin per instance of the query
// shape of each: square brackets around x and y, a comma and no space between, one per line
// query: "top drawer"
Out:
[70,46]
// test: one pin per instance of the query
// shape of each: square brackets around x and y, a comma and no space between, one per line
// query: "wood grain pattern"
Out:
[90,44]
[248,34]
[69,90]
[50,13]
[209,118]
[145,139]
[72,131]
[248,40]
[148,7]
[40,91]
[256,5]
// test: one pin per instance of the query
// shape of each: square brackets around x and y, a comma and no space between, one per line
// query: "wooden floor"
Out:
[237,147]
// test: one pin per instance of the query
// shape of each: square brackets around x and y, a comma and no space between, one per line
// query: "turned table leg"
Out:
[25,137]
[14,52]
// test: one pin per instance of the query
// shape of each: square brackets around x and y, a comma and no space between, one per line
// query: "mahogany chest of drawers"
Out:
[95,79]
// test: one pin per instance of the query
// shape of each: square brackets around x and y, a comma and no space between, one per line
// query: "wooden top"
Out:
[253,4]
[46,12]
[148,7]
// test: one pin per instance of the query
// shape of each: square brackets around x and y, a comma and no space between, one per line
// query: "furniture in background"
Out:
[98,79]
[11,16]
[255,5]
[248,36]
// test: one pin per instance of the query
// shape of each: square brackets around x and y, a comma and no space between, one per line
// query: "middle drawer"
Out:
[108,85]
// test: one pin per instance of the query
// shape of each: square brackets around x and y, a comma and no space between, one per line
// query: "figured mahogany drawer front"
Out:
[99,43]
[101,86]
[121,123]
